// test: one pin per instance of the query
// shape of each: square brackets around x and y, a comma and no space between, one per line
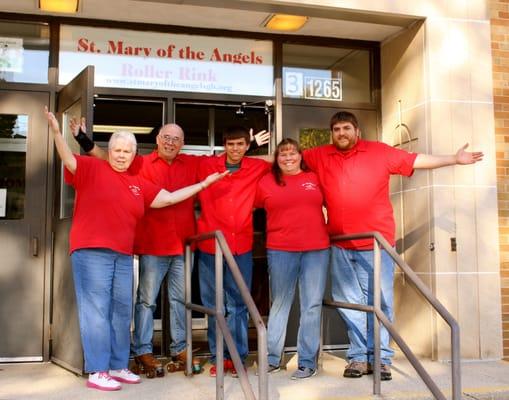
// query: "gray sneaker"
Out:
[272,369]
[303,373]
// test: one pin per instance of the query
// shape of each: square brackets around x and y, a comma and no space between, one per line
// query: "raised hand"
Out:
[76,125]
[465,157]
[63,149]
[52,121]
[261,137]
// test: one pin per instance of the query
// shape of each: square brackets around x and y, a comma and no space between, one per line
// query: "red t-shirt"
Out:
[227,205]
[356,187]
[295,221]
[162,231]
[108,205]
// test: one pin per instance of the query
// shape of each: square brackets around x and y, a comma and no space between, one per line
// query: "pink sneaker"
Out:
[102,381]
[124,375]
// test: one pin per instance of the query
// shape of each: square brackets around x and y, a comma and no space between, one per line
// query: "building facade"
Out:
[417,74]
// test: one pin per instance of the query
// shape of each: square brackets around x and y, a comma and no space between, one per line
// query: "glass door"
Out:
[23,177]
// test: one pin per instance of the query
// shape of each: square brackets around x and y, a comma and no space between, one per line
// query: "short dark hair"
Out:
[344,116]
[283,145]
[236,132]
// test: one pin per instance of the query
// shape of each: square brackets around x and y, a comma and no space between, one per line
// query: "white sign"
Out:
[322,88]
[161,61]
[3,202]
[11,54]
[312,84]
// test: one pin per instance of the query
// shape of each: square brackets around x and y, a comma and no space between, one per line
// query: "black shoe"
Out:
[355,369]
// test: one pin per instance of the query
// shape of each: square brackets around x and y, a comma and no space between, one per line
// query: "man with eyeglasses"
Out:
[159,241]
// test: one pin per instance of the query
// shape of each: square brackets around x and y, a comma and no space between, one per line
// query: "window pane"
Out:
[326,73]
[13,146]
[142,117]
[194,119]
[24,52]
[251,117]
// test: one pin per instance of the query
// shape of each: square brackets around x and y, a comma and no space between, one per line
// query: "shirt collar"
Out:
[361,145]
[154,157]
[221,160]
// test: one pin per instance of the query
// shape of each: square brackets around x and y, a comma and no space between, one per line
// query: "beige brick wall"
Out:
[499,11]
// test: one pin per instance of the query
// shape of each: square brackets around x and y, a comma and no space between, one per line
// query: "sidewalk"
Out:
[480,380]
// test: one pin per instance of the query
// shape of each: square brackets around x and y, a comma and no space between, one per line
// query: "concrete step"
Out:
[481,380]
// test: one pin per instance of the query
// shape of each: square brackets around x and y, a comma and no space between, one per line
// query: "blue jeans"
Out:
[103,281]
[153,269]
[309,268]
[235,308]
[352,282]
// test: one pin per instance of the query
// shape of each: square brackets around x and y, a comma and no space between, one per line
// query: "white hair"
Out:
[126,135]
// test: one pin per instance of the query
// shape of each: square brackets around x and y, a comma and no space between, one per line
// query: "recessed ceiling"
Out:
[238,15]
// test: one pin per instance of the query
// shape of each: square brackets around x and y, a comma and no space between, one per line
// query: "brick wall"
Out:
[499,10]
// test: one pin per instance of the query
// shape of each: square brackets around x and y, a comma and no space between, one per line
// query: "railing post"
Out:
[263,377]
[219,332]
[376,323]
[189,315]
[455,361]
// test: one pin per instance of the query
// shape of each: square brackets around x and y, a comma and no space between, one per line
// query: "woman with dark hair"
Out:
[297,252]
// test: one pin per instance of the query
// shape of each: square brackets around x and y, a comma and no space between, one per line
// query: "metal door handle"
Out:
[35,246]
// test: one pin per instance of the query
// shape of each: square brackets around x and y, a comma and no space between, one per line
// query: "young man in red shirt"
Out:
[354,175]
[229,208]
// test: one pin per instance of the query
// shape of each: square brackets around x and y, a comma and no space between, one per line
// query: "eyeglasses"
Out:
[170,139]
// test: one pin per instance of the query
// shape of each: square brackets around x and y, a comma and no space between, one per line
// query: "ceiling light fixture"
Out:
[63,6]
[285,22]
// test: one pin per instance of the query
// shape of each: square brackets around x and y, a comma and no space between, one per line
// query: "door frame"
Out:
[66,349]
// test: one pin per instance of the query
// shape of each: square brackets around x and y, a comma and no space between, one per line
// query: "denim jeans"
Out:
[235,308]
[309,268]
[153,269]
[103,281]
[352,282]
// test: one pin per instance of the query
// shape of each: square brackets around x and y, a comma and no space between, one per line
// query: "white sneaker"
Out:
[102,381]
[124,375]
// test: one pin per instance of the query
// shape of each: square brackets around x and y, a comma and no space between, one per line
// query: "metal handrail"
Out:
[379,240]
[222,249]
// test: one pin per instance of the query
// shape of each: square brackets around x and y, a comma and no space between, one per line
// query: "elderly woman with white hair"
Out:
[110,199]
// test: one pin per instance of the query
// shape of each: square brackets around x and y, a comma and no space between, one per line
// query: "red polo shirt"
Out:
[227,205]
[295,220]
[356,187]
[108,205]
[161,231]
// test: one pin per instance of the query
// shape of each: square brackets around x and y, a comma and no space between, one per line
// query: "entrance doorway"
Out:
[23,207]
[310,126]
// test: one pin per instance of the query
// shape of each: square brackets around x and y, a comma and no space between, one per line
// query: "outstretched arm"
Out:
[79,131]
[462,157]
[63,150]
[165,198]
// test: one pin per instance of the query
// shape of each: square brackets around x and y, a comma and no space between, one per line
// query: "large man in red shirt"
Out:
[354,175]
[229,208]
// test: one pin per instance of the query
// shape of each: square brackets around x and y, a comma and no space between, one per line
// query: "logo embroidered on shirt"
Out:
[309,186]
[135,189]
